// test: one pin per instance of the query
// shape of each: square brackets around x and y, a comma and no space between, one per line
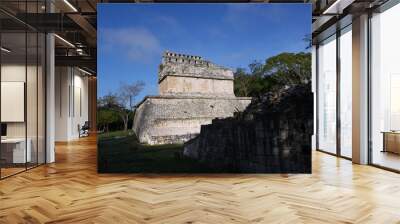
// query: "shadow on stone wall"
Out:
[273,135]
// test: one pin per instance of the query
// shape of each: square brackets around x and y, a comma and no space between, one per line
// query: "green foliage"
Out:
[112,135]
[241,82]
[108,119]
[121,102]
[280,71]
[289,68]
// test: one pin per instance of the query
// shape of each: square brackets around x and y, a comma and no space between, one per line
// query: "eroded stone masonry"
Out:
[273,135]
[193,91]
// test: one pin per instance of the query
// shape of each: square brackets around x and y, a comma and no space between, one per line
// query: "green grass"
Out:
[120,152]
[113,134]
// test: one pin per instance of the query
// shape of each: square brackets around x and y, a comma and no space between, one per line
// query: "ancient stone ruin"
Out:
[273,135]
[193,92]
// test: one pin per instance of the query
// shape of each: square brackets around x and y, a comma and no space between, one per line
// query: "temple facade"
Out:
[192,92]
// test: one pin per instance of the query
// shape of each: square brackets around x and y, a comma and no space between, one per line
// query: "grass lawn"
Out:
[120,152]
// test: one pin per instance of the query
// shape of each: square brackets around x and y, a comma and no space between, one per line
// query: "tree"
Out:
[308,39]
[289,69]
[128,93]
[241,82]
[123,101]
[256,68]
[105,117]
[280,71]
[115,103]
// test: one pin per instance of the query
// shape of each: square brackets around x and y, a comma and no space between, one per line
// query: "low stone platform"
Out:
[176,119]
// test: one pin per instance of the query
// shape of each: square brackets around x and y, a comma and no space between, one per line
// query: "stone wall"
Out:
[193,91]
[192,86]
[174,119]
[193,70]
[273,135]
[181,74]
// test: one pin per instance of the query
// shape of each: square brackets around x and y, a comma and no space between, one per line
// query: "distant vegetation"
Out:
[115,111]
[277,72]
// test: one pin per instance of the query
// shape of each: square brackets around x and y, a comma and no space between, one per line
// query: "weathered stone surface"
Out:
[192,66]
[273,135]
[193,91]
[172,119]
[192,86]
[188,75]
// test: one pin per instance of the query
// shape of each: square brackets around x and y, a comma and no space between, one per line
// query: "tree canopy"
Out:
[120,103]
[280,71]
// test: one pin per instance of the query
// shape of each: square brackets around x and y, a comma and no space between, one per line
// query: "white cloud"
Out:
[138,44]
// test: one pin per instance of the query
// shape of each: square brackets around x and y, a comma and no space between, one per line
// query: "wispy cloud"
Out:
[138,44]
[238,14]
[168,21]
[216,32]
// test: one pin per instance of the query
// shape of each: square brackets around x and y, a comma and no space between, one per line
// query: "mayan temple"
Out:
[193,91]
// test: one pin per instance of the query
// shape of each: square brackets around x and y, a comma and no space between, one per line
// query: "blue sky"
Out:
[132,37]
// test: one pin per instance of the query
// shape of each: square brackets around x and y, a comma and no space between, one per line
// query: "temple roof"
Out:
[177,64]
